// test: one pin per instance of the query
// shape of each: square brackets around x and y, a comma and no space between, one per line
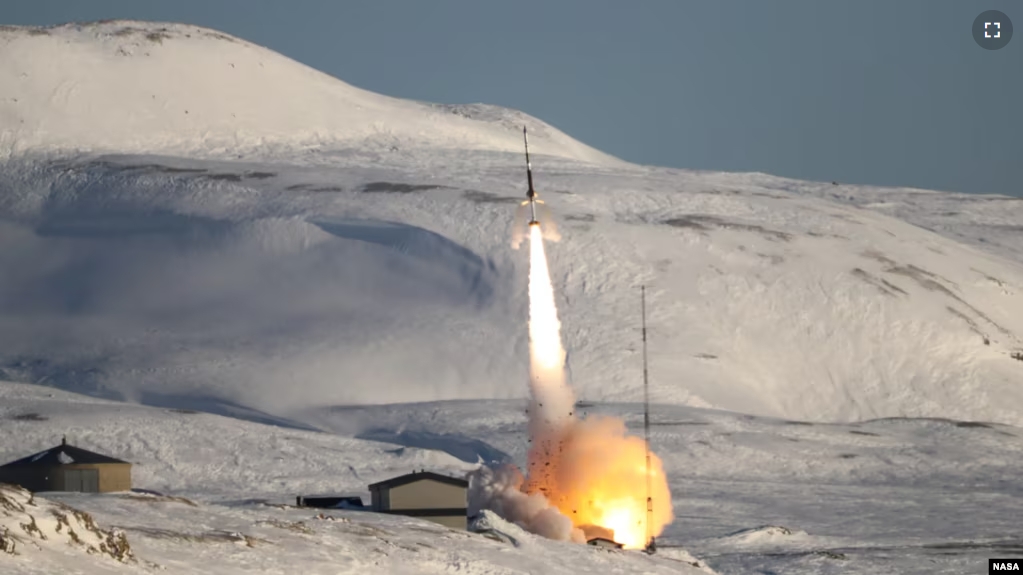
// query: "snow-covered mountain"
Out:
[127,86]
[192,222]
[355,275]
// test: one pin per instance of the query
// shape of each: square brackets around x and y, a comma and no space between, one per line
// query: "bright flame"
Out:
[545,352]
[590,470]
[601,481]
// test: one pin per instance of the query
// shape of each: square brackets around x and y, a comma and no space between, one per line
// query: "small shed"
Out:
[68,468]
[331,502]
[432,496]
[604,542]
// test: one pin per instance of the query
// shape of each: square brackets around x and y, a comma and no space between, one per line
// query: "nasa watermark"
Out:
[1004,565]
[992,30]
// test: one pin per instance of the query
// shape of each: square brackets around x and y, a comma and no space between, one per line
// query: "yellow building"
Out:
[425,494]
[68,468]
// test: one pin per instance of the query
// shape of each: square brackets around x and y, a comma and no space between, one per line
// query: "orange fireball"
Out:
[599,481]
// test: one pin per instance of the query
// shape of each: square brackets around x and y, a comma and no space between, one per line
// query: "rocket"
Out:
[531,194]
[532,211]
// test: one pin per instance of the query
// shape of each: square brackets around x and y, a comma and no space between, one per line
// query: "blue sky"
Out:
[888,92]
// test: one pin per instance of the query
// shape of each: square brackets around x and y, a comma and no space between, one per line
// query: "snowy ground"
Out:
[834,361]
[751,494]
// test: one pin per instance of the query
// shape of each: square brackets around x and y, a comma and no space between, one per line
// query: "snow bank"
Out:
[30,524]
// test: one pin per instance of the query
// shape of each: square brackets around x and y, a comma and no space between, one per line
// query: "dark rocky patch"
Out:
[488,198]
[29,417]
[161,169]
[932,282]
[980,424]
[260,175]
[883,286]
[824,235]
[158,36]
[1006,547]
[942,420]
[705,223]
[706,356]
[847,455]
[893,287]
[798,423]
[969,321]
[397,188]
[224,177]
[990,278]
[878,256]
[328,189]
[858,432]
[173,170]
[687,223]
[581,218]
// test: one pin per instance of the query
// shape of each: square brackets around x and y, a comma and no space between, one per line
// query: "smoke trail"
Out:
[550,410]
[586,478]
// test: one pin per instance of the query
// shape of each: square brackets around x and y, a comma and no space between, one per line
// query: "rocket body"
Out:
[531,194]
[532,212]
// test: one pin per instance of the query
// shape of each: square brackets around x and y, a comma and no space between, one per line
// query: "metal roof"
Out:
[418,476]
[62,454]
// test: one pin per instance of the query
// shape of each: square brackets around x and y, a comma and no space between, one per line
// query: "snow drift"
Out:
[30,525]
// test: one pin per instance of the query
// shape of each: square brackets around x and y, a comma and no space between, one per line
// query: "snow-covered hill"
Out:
[173,88]
[274,286]
[333,270]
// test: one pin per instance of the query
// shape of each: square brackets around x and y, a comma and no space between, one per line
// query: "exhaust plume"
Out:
[521,228]
[585,477]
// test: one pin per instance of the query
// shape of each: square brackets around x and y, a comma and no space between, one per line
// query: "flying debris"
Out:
[537,212]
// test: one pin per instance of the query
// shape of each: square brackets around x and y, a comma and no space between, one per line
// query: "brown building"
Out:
[425,494]
[68,468]
[605,543]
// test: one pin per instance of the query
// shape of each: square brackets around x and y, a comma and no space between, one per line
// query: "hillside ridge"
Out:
[130,86]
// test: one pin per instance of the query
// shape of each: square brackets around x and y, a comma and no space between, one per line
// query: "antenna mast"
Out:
[650,546]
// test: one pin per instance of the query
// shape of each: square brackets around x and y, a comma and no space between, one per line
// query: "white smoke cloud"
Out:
[500,490]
